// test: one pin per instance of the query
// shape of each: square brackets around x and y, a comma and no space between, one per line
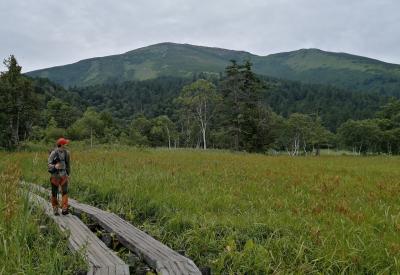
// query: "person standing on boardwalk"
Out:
[59,165]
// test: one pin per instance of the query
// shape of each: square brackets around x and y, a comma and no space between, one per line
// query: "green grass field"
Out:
[30,243]
[248,213]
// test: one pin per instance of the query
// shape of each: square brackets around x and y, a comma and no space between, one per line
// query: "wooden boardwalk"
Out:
[157,255]
[102,260]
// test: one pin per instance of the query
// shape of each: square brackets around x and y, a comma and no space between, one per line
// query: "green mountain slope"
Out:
[165,59]
[183,60]
[338,69]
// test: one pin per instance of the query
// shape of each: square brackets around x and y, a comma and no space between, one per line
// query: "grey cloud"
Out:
[43,33]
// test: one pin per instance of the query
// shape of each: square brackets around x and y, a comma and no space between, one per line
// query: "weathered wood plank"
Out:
[101,259]
[157,255]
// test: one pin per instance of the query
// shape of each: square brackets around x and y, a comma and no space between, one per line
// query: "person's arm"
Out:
[51,159]
[68,163]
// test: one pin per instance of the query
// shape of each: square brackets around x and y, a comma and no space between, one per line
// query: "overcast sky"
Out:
[44,33]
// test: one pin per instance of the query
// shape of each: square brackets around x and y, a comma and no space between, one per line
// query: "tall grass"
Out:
[29,242]
[248,213]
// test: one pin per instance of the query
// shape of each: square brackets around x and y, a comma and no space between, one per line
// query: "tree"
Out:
[53,132]
[257,119]
[361,135]
[297,134]
[163,129]
[139,131]
[320,135]
[243,114]
[230,117]
[390,141]
[89,126]
[18,105]
[199,100]
[63,113]
[391,111]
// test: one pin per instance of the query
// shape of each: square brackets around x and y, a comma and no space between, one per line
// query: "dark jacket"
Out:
[64,160]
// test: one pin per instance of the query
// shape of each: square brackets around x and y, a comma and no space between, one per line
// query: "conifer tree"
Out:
[18,105]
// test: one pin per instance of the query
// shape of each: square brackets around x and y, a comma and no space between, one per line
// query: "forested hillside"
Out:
[237,110]
[155,97]
[342,70]
[182,60]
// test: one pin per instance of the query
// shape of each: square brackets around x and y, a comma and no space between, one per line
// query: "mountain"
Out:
[183,60]
[338,69]
[165,59]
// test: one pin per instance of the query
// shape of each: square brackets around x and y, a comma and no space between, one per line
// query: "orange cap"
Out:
[62,141]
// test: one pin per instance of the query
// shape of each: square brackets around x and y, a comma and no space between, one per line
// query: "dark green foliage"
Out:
[361,136]
[57,103]
[162,132]
[240,116]
[18,105]
[198,102]
[48,90]
[139,131]
[89,126]
[243,116]
[391,111]
[156,97]
[333,105]
[63,113]
[124,101]
[381,134]
[302,133]
[159,131]
[52,132]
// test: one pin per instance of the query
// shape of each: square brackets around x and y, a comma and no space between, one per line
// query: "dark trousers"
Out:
[56,183]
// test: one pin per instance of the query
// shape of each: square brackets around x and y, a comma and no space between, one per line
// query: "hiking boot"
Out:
[55,211]
[65,211]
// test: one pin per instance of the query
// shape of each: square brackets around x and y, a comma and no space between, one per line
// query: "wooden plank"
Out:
[101,259]
[157,255]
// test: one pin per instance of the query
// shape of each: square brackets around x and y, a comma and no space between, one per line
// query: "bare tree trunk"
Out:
[202,117]
[296,146]
[203,132]
[188,133]
[204,138]
[169,138]
[389,148]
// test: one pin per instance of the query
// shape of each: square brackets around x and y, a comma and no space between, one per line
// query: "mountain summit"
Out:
[183,60]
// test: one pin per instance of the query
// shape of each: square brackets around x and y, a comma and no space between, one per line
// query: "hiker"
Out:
[60,169]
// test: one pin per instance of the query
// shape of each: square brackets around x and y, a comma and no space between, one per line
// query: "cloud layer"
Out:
[45,33]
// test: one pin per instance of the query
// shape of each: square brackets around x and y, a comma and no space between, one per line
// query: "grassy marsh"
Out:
[248,213]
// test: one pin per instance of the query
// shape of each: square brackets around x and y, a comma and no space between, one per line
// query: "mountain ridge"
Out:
[184,60]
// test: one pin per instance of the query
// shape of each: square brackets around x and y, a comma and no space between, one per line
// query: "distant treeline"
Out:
[238,110]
